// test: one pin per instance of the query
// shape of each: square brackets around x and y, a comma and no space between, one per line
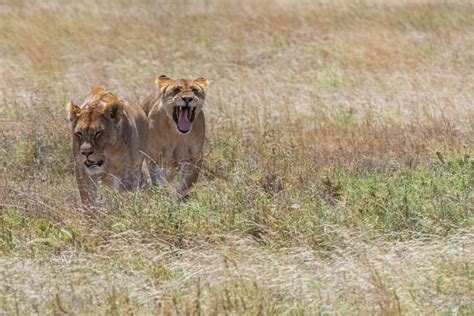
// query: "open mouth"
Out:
[184,117]
[94,164]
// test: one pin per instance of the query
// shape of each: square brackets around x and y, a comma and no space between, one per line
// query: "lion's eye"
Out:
[176,90]
[195,90]
[98,135]
[78,135]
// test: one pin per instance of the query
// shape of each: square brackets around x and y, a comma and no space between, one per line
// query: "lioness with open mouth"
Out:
[110,138]
[177,130]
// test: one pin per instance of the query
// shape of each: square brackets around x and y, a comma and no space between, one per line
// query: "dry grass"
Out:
[239,276]
[338,169]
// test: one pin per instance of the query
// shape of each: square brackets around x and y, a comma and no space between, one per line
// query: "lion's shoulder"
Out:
[150,101]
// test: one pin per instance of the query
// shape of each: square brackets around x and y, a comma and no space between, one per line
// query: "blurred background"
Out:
[338,165]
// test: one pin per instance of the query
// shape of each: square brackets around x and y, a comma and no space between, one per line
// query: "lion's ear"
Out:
[163,81]
[202,82]
[97,92]
[73,112]
[109,97]
[114,111]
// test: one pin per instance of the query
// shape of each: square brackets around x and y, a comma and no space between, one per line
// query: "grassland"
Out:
[338,174]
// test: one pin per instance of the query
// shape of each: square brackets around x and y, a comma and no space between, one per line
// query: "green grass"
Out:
[399,205]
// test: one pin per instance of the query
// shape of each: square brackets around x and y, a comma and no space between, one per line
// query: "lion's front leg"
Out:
[145,179]
[88,187]
[189,173]
[162,170]
[132,179]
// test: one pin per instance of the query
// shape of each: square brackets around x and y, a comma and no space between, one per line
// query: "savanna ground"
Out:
[338,169]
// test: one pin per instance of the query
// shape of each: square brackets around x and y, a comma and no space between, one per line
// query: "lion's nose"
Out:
[86,149]
[187,99]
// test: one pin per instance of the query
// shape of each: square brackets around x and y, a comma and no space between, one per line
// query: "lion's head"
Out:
[182,100]
[95,125]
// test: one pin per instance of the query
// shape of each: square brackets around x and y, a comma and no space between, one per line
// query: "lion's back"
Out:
[139,121]
[150,101]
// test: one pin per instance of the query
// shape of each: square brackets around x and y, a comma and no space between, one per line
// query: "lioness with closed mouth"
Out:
[110,137]
[177,130]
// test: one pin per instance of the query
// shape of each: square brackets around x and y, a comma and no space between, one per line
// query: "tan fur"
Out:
[170,150]
[111,137]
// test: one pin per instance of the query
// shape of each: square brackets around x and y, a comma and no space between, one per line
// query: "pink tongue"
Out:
[184,124]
